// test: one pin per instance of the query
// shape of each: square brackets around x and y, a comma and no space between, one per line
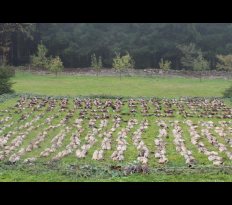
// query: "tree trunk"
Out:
[154,61]
[177,64]
[71,61]
[3,58]
[6,50]
[77,62]
[213,64]
[15,49]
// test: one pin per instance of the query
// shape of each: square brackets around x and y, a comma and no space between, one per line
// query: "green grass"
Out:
[132,86]
[129,86]
[21,176]
[175,159]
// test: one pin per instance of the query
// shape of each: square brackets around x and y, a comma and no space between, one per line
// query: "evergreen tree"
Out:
[200,64]
[190,52]
[146,42]
[5,80]
[40,60]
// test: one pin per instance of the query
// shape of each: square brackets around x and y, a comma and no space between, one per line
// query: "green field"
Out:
[129,86]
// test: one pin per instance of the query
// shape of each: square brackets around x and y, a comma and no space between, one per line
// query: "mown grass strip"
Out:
[133,86]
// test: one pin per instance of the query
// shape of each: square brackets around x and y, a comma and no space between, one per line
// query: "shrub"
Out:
[200,64]
[40,60]
[122,63]
[5,80]
[228,92]
[127,75]
[56,65]
[164,66]
[97,65]
[225,63]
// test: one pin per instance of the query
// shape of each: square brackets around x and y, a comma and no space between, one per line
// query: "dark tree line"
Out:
[147,43]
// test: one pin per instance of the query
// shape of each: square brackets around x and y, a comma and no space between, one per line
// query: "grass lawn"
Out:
[129,86]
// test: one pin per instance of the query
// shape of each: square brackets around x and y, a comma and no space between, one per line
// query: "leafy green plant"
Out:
[228,92]
[122,63]
[200,64]
[225,63]
[40,60]
[97,65]
[164,65]
[56,65]
[128,76]
[5,80]
[189,55]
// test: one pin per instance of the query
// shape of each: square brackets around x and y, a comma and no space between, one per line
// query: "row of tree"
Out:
[75,43]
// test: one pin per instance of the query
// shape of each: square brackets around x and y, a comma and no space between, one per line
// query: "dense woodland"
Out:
[147,43]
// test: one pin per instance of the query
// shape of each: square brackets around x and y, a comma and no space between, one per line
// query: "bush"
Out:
[40,60]
[127,75]
[56,65]
[122,63]
[97,65]
[228,92]
[5,80]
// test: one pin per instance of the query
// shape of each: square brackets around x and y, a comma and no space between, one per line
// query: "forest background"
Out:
[147,43]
